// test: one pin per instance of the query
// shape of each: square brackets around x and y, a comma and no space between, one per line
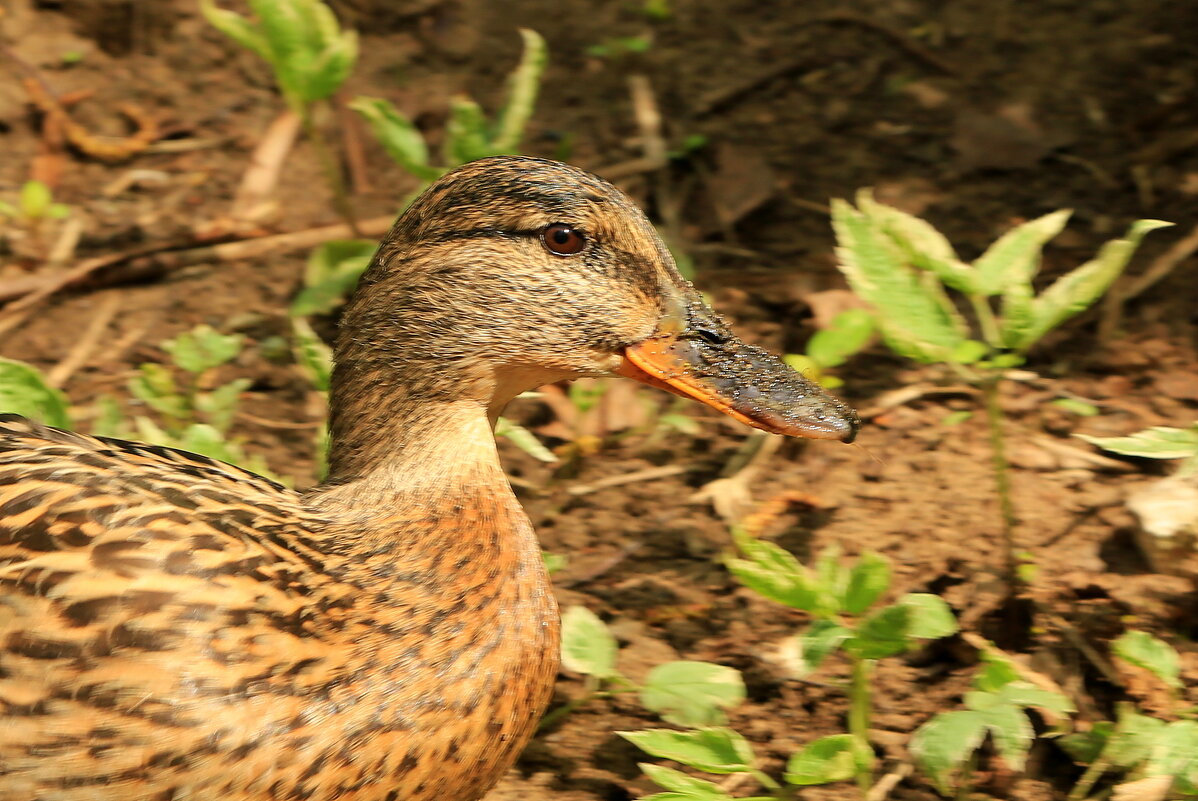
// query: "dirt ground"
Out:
[976,114]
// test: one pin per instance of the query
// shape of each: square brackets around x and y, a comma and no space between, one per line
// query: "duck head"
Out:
[512,272]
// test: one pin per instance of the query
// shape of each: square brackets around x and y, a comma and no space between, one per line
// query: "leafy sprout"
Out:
[907,271]
[469,134]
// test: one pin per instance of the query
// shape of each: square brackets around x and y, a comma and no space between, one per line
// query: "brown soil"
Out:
[976,114]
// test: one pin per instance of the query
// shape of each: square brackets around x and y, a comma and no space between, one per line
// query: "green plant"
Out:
[843,602]
[35,207]
[332,272]
[25,391]
[945,747]
[1158,442]
[683,692]
[195,414]
[711,749]
[35,203]
[618,46]
[469,135]
[1150,754]
[905,268]
[310,56]
[847,334]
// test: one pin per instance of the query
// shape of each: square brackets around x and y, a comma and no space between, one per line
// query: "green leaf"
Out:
[997,673]
[890,630]
[1135,737]
[1176,750]
[1151,653]
[554,562]
[1086,746]
[968,352]
[868,579]
[35,200]
[1158,442]
[24,391]
[774,573]
[202,348]
[847,334]
[109,419]
[832,578]
[1082,409]
[587,646]
[692,693]
[712,750]
[683,786]
[942,745]
[1014,258]
[1025,694]
[820,640]
[236,27]
[882,634]
[1012,733]
[912,317]
[931,618]
[465,132]
[314,358]
[154,386]
[921,243]
[523,439]
[828,759]
[523,85]
[220,404]
[399,136]
[1076,290]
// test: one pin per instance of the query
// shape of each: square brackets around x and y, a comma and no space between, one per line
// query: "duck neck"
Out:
[431,449]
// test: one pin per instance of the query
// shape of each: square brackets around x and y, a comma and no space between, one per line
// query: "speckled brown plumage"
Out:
[177,629]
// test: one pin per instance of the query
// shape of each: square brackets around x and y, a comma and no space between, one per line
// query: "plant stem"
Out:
[987,321]
[332,170]
[859,713]
[1002,479]
[590,691]
[1093,773]
[765,780]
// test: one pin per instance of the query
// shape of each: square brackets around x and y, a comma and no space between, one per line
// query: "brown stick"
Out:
[86,344]
[157,259]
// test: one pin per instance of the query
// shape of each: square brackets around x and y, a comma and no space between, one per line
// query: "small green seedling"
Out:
[846,335]
[844,603]
[905,268]
[25,391]
[35,203]
[469,135]
[33,211]
[682,692]
[619,46]
[310,56]
[945,747]
[332,272]
[194,415]
[1158,442]
[1150,754]
[711,749]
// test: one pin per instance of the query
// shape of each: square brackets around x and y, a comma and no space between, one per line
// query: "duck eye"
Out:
[563,239]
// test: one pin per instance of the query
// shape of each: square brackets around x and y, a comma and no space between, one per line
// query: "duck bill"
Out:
[742,381]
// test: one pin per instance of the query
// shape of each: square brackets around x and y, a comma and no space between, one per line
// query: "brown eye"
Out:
[563,240]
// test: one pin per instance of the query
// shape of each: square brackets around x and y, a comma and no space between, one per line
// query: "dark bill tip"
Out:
[743,381]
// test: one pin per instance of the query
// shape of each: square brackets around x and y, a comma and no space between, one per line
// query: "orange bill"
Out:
[742,381]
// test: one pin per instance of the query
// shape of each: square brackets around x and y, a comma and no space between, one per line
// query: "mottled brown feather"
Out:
[173,628]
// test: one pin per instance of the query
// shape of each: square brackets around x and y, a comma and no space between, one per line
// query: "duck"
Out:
[174,628]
